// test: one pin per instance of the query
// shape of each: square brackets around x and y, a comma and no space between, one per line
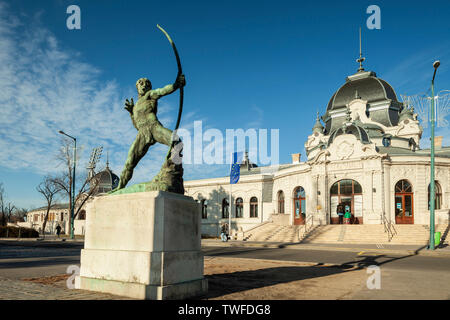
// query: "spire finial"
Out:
[361,59]
[107,159]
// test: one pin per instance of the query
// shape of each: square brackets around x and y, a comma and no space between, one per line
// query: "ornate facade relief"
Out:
[347,146]
[409,128]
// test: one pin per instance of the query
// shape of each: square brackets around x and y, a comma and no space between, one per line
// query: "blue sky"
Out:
[248,64]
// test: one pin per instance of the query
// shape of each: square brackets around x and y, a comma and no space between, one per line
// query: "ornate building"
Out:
[364,155]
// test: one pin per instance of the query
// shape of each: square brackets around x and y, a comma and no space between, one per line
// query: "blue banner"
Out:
[236,167]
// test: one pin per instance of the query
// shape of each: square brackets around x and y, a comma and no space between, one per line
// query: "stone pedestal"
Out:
[145,245]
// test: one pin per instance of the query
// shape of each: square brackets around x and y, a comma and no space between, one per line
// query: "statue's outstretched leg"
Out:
[162,134]
[137,150]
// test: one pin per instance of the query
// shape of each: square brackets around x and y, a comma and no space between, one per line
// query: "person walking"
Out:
[224,232]
[58,230]
[347,215]
[340,212]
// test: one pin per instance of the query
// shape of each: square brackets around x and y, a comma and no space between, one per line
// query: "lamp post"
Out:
[432,184]
[72,207]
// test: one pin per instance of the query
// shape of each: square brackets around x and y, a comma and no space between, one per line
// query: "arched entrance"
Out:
[299,206]
[349,193]
[404,203]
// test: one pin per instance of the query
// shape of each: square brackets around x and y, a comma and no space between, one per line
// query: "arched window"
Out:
[253,207]
[82,215]
[404,202]
[204,209]
[299,205]
[239,208]
[437,197]
[403,186]
[280,201]
[225,208]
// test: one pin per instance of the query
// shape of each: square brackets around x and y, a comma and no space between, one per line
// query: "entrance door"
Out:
[404,203]
[404,213]
[347,202]
[299,206]
[348,193]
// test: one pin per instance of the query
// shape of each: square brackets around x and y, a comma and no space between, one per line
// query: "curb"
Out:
[40,240]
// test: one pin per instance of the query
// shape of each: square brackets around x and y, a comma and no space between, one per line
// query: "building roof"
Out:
[366,86]
[396,151]
[383,106]
[57,206]
[107,178]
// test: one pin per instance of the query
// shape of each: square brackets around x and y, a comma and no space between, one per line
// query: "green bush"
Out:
[13,232]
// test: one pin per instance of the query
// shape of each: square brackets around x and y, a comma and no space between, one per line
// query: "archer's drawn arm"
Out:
[170,88]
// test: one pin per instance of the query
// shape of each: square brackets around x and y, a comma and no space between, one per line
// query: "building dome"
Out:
[367,86]
[107,180]
[382,104]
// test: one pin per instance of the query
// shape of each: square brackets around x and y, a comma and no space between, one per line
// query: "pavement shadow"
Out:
[232,251]
[228,283]
[364,261]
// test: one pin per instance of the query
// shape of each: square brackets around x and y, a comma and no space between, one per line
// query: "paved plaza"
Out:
[37,270]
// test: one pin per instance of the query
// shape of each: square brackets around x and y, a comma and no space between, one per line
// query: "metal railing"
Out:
[389,228]
[308,218]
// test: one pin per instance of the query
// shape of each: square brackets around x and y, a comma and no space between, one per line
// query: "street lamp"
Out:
[436,64]
[73,184]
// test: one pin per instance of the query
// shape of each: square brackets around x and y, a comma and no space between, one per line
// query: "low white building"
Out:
[58,215]
[365,155]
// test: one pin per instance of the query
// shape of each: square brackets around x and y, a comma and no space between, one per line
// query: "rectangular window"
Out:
[225,212]
[333,205]
[204,210]
[253,210]
[358,206]
[239,211]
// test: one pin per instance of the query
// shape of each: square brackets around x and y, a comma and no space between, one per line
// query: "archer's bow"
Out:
[180,71]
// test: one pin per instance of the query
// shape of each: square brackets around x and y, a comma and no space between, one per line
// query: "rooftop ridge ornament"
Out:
[318,125]
[361,58]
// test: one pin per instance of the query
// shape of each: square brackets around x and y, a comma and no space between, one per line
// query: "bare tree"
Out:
[19,214]
[89,187]
[88,184]
[2,205]
[50,191]
[9,209]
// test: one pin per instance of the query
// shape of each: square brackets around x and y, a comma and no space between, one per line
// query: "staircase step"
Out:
[364,234]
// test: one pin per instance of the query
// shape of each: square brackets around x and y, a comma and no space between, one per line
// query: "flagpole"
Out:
[229,206]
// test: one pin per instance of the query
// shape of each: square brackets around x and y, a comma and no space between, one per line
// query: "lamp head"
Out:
[436,64]
[60,131]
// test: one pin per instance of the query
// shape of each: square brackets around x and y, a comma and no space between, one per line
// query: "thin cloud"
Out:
[45,88]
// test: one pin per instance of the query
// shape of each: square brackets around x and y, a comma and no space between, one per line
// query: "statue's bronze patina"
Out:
[151,131]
